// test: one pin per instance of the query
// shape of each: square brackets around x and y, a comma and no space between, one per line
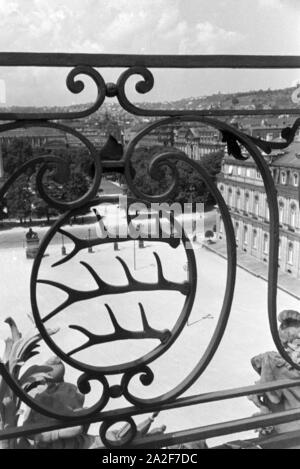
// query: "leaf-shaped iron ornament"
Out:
[233,147]
[120,333]
[161,337]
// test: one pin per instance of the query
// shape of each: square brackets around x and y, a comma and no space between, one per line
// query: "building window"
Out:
[283,177]
[258,175]
[281,211]
[230,197]
[290,253]
[293,216]
[267,212]
[237,232]
[247,202]
[254,240]
[279,249]
[256,205]
[248,172]
[245,235]
[295,179]
[239,170]
[230,170]
[238,200]
[266,244]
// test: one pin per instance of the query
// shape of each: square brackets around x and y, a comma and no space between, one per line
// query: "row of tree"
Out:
[71,180]
[64,182]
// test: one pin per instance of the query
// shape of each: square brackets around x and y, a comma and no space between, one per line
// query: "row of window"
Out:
[254,238]
[195,152]
[241,171]
[255,174]
[245,242]
[246,206]
[293,214]
[283,178]
[290,251]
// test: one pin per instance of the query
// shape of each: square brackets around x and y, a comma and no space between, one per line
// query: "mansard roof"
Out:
[288,158]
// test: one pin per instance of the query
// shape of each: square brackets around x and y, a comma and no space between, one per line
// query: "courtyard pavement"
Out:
[258,268]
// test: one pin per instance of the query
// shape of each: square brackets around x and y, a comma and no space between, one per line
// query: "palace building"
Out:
[242,187]
[198,141]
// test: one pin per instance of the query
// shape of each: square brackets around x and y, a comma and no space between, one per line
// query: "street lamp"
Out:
[134,254]
[141,241]
[90,248]
[63,247]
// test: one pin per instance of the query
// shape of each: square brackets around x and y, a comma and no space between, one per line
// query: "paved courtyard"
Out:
[247,332]
[286,282]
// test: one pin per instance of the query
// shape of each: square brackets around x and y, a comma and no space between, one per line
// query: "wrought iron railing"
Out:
[89,65]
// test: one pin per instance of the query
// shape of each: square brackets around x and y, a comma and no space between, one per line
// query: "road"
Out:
[15,237]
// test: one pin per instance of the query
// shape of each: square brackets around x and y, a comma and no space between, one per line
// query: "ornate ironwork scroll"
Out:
[142,367]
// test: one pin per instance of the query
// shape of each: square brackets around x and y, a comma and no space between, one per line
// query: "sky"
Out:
[147,27]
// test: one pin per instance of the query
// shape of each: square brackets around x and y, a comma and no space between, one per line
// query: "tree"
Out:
[19,199]
[77,186]
[77,159]
[17,152]
[74,188]
[65,182]
[41,209]
[191,187]
[143,180]
[3,209]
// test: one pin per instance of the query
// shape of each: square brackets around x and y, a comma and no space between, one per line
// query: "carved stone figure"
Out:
[272,367]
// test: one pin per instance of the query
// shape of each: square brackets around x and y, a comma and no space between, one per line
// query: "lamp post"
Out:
[90,248]
[192,189]
[134,255]
[63,247]
[141,241]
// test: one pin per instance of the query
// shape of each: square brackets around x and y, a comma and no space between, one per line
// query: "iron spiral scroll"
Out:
[141,367]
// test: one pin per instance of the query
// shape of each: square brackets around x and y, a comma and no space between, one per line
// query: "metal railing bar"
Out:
[133,411]
[279,438]
[218,429]
[45,59]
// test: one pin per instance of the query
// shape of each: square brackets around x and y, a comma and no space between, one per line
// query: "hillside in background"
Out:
[256,99]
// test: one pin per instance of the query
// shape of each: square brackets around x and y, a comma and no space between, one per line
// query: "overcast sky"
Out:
[148,26]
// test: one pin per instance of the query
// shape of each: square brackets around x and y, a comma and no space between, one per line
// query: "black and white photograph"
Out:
[149,227]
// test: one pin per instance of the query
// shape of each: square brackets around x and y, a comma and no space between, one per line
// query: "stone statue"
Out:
[272,367]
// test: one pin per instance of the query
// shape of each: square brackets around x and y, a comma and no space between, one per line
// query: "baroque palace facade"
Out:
[242,188]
